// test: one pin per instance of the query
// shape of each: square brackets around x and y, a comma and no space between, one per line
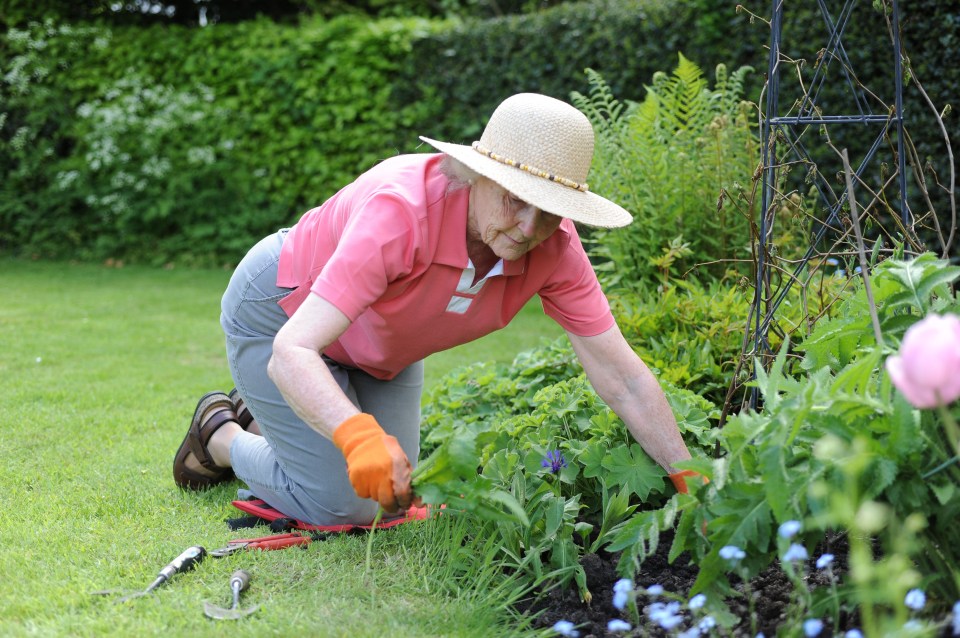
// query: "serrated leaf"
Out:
[632,468]
[879,476]
[592,460]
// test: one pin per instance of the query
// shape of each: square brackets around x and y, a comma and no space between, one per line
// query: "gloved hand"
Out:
[376,464]
[679,480]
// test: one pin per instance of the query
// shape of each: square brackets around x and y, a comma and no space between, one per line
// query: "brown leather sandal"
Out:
[244,418]
[213,411]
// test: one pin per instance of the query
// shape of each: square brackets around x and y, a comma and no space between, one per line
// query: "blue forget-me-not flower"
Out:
[789,529]
[795,552]
[732,553]
[621,590]
[618,625]
[697,601]
[565,628]
[812,627]
[915,599]
[665,614]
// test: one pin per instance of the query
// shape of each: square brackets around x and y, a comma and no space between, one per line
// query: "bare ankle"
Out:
[219,444]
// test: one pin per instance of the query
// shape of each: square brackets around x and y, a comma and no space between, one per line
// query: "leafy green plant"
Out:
[551,472]
[669,160]
[775,466]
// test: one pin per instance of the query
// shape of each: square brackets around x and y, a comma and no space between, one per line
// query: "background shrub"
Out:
[298,109]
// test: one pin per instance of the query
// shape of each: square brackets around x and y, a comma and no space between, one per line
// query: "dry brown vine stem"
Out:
[864,266]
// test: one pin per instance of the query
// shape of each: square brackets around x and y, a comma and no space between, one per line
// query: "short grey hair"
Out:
[459,174]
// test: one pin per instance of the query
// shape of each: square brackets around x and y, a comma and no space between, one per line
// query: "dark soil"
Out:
[771,592]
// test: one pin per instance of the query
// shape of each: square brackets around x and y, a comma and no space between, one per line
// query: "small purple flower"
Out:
[795,552]
[697,601]
[617,625]
[789,529]
[825,561]
[706,624]
[853,633]
[956,618]
[693,632]
[565,628]
[812,627]
[554,460]
[654,590]
[915,599]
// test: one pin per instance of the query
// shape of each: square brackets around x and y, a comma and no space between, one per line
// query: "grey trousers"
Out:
[292,467]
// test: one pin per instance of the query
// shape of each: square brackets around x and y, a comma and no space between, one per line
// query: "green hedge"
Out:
[174,144]
[464,71]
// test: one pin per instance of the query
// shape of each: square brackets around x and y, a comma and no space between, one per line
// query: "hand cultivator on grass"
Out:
[187,560]
[239,582]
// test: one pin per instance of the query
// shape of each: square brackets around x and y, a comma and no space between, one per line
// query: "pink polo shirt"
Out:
[390,251]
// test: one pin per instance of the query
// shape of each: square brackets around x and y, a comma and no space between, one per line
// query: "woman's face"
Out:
[508,225]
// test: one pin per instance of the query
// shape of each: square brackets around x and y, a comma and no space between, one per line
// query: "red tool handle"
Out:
[280,542]
[245,541]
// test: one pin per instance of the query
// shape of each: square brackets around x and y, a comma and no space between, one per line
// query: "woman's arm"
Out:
[299,372]
[376,464]
[633,393]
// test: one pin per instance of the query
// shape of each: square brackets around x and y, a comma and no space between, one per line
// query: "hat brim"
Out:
[552,197]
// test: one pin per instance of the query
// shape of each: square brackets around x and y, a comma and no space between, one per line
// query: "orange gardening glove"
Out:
[679,480]
[376,464]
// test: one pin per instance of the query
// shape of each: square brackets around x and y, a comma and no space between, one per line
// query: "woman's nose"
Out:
[528,218]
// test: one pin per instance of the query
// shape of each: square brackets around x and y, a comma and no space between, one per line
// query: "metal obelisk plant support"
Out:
[784,144]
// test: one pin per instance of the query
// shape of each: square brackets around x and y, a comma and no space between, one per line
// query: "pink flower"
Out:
[927,370]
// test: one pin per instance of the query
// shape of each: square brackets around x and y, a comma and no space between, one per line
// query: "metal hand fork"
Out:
[239,581]
[187,560]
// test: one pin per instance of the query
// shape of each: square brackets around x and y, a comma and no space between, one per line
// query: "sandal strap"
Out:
[244,416]
[216,416]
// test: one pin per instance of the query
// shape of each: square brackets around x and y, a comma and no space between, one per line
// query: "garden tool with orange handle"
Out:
[276,541]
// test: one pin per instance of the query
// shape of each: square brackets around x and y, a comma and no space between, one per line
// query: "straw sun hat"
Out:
[540,149]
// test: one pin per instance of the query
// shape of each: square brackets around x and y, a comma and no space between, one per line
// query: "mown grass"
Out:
[102,368]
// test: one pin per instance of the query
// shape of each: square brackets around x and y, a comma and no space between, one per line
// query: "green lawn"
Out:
[102,369]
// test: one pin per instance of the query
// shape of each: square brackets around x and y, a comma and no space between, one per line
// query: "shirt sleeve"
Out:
[376,243]
[572,296]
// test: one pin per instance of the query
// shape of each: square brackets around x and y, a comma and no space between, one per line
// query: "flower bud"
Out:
[927,370]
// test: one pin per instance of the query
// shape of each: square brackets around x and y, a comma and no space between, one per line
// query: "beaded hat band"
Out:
[533,170]
[555,142]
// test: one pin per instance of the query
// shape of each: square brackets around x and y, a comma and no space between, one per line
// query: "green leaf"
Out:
[632,468]
[507,500]
[553,516]
[945,492]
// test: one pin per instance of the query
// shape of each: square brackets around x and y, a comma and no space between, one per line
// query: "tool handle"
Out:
[187,559]
[240,580]
[283,542]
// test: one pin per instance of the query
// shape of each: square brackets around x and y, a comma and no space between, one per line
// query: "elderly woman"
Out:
[327,323]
